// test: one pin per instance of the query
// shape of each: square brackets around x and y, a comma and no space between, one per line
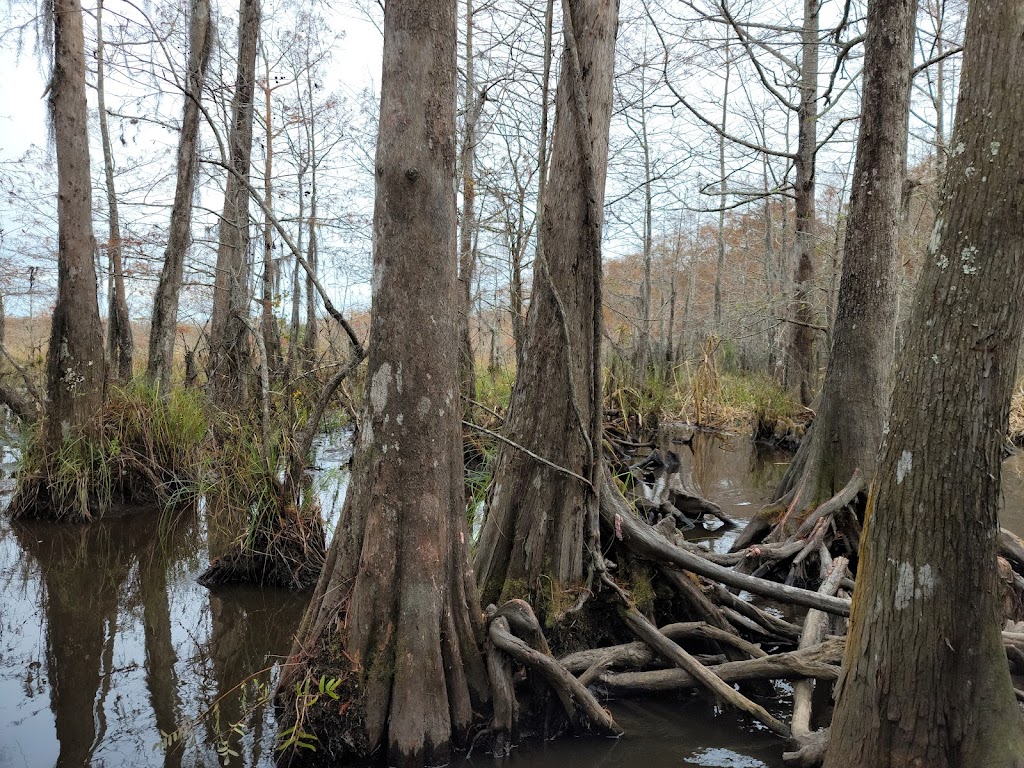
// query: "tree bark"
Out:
[74,360]
[925,674]
[160,366]
[536,517]
[268,320]
[310,339]
[396,607]
[229,356]
[855,396]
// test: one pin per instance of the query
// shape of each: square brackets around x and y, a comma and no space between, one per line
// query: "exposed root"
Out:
[579,704]
[288,552]
[785,539]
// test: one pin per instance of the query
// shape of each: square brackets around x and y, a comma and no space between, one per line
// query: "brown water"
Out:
[106,641]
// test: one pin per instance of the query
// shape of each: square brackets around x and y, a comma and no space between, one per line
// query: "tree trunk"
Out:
[74,360]
[396,608]
[296,311]
[229,354]
[925,674]
[467,255]
[800,355]
[536,518]
[643,357]
[268,320]
[310,339]
[855,397]
[160,366]
[120,343]
[723,196]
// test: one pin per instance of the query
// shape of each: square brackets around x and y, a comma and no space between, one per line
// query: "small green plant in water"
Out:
[306,695]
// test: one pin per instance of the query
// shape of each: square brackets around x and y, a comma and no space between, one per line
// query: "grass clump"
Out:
[141,450]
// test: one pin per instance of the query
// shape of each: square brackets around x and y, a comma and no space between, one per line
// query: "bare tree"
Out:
[854,402]
[120,342]
[538,521]
[74,360]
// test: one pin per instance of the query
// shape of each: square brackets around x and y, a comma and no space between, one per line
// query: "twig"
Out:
[527,451]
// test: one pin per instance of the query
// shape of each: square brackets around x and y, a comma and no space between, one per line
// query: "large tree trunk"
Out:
[925,674]
[227,367]
[160,366]
[74,360]
[120,343]
[396,609]
[535,522]
[855,397]
[800,354]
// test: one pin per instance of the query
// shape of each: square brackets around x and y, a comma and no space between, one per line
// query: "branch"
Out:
[682,100]
[935,60]
[527,451]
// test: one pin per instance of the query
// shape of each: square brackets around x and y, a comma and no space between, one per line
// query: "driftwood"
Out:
[638,655]
[647,543]
[820,662]
[813,631]
[671,651]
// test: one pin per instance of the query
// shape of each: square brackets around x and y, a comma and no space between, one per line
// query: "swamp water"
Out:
[106,640]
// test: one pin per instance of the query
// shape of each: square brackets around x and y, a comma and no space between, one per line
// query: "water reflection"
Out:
[106,641]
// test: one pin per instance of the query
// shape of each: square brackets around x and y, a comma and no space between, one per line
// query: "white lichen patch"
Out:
[379,387]
[925,582]
[967,260]
[935,359]
[969,171]
[912,586]
[936,238]
[942,261]
[423,406]
[959,149]
[903,466]
[994,148]
[904,586]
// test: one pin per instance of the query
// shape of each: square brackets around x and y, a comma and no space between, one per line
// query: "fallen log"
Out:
[638,655]
[813,631]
